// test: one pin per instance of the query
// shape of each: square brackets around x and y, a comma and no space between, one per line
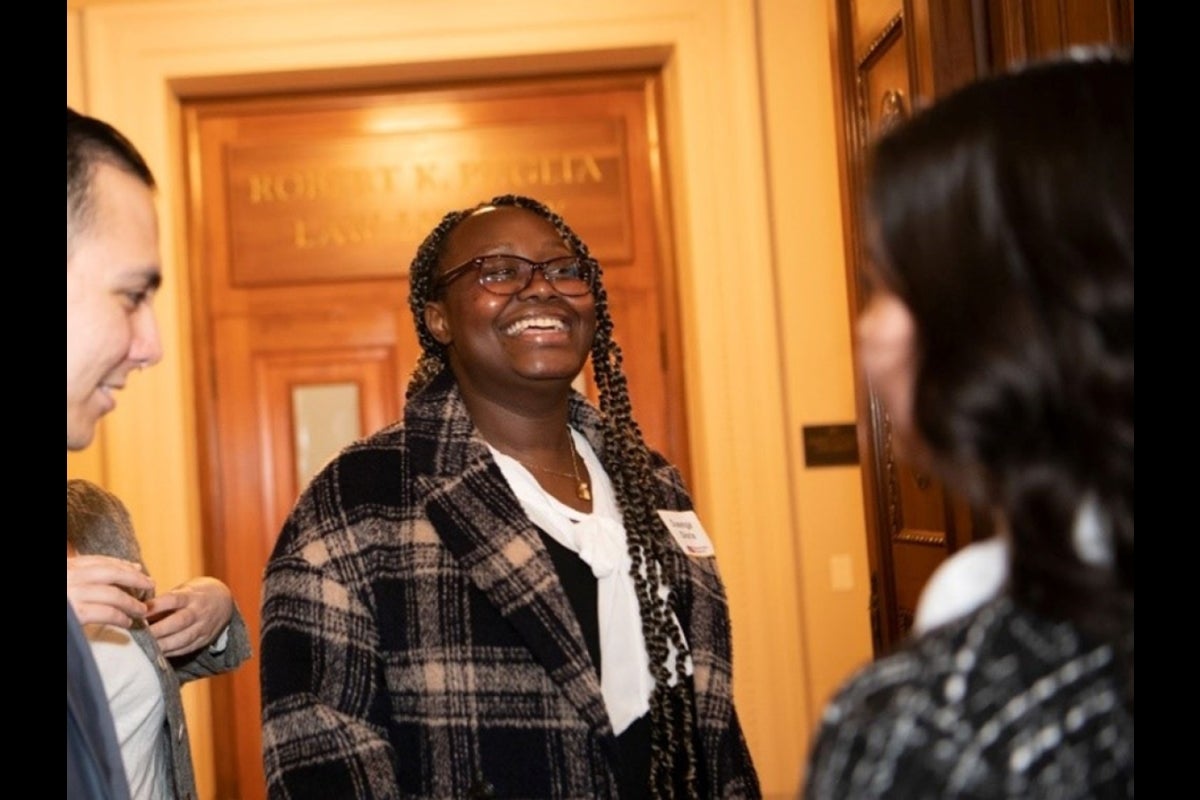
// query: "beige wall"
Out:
[756,224]
[814,335]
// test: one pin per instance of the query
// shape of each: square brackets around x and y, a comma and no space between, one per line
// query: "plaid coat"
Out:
[416,641]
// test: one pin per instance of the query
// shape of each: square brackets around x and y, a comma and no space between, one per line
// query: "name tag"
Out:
[688,532]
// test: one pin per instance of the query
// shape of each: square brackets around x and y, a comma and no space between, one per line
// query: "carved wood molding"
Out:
[894,501]
[877,45]
[915,536]
[892,110]
[891,481]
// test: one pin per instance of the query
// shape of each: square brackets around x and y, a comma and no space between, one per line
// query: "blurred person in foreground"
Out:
[193,631]
[999,336]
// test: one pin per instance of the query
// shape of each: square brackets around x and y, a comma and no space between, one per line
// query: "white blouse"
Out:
[599,539]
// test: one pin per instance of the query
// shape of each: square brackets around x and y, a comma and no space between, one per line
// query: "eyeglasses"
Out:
[571,276]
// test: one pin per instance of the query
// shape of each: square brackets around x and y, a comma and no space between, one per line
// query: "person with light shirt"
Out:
[193,631]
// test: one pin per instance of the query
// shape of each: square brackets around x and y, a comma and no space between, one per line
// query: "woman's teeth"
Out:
[544,323]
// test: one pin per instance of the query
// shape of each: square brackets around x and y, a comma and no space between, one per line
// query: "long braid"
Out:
[633,481]
[627,460]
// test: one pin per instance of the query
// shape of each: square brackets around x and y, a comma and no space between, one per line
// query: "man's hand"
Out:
[96,589]
[190,616]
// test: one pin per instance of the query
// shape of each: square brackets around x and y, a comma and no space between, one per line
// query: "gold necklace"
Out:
[582,490]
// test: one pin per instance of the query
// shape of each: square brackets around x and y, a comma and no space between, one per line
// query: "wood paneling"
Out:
[896,63]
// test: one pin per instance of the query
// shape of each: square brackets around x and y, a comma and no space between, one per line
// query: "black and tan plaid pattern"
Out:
[417,641]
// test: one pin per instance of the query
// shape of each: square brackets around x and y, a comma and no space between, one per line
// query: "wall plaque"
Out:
[363,203]
[830,445]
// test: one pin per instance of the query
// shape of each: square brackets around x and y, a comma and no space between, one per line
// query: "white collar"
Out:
[599,540]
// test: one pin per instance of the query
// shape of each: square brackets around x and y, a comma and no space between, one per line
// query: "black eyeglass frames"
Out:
[502,274]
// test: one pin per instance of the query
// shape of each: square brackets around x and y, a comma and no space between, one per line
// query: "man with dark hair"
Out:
[112,274]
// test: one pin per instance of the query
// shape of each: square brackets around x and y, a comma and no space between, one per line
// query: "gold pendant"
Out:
[583,492]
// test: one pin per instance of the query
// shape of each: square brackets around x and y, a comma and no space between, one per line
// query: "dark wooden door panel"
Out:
[894,56]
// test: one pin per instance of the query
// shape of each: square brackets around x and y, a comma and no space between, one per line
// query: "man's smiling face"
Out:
[112,274]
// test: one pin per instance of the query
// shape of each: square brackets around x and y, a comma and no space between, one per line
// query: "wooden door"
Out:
[306,211]
[894,56]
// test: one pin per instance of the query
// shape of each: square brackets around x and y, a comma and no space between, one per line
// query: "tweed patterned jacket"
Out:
[174,741]
[999,704]
[172,672]
[417,642]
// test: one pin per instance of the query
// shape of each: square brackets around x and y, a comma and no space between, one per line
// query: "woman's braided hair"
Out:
[627,460]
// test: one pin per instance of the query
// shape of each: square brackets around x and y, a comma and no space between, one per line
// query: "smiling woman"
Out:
[501,594]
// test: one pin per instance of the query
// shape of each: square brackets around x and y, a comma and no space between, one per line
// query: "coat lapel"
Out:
[481,522]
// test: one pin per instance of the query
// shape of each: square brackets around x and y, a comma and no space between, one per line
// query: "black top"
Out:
[582,591]
[633,744]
